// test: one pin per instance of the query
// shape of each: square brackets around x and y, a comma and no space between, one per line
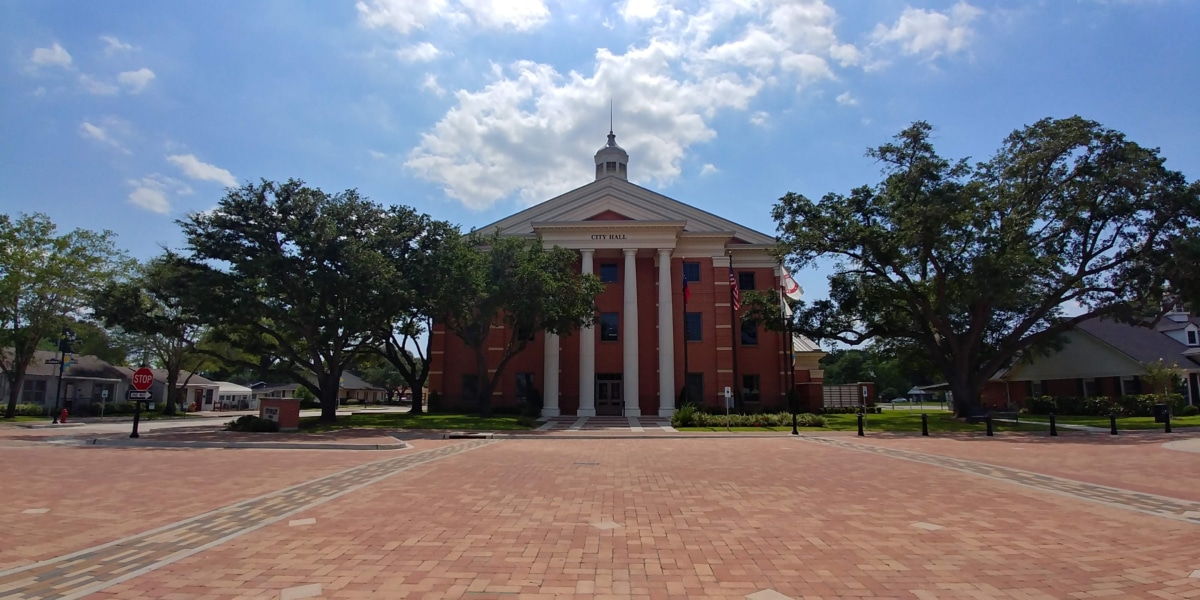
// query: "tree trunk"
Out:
[417,401]
[329,397]
[172,391]
[966,391]
[14,391]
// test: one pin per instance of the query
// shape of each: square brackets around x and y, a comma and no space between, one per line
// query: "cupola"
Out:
[612,160]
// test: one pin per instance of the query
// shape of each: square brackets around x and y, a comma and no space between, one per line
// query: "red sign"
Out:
[143,378]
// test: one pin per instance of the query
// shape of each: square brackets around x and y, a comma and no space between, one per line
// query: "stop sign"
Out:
[143,378]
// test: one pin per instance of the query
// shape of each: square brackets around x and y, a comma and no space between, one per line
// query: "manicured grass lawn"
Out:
[24,419]
[1122,422]
[436,421]
[888,420]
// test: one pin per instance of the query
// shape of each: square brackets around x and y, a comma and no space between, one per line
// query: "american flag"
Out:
[735,292]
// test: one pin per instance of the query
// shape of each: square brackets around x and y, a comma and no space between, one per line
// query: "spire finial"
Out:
[610,115]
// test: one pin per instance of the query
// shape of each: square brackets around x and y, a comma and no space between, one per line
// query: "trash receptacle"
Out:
[1160,412]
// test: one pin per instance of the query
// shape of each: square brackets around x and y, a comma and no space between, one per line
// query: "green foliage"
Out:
[973,264]
[1140,405]
[688,416]
[252,424]
[30,410]
[849,410]
[533,404]
[45,278]
[435,402]
[1190,410]
[685,415]
[520,284]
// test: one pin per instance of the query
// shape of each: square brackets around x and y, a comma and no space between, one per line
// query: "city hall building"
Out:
[631,363]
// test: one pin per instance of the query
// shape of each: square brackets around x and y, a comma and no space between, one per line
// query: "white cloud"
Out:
[98,133]
[137,80]
[927,32]
[404,16]
[152,192]
[708,169]
[430,83]
[97,87]
[759,118]
[377,155]
[194,168]
[423,52]
[845,99]
[54,56]
[114,45]
[530,131]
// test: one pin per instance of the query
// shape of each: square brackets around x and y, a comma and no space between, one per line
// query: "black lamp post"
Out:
[65,343]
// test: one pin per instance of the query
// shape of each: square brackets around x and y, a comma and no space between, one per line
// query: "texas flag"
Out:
[790,288]
[687,294]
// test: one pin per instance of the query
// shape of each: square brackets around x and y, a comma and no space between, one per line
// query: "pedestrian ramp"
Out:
[615,425]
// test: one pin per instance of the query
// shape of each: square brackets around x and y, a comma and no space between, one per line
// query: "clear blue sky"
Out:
[129,115]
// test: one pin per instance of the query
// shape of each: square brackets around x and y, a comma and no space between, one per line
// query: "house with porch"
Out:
[85,379]
[198,393]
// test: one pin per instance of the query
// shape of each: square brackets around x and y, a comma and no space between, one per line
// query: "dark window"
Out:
[525,333]
[608,272]
[524,385]
[750,388]
[622,165]
[745,280]
[691,270]
[1191,338]
[691,327]
[695,387]
[1036,389]
[33,391]
[1091,388]
[1131,386]
[749,333]
[470,387]
[608,327]
[611,167]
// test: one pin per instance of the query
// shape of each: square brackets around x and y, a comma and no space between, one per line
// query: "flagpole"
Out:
[735,335]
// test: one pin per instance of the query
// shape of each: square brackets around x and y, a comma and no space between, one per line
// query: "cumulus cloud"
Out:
[422,52]
[114,45]
[759,118]
[95,86]
[202,171]
[154,192]
[928,32]
[99,134]
[529,132]
[845,99]
[430,84]
[137,80]
[404,16]
[708,169]
[54,56]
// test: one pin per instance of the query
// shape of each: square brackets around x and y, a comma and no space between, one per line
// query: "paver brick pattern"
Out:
[686,518]
[74,575]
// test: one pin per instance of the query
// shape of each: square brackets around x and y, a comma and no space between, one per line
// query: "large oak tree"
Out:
[974,265]
[298,278]
[46,280]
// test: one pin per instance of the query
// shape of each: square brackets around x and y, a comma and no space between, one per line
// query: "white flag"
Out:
[790,287]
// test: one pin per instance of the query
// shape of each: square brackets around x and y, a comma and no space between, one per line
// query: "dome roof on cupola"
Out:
[611,159]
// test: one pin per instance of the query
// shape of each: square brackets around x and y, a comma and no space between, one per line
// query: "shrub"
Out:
[850,410]
[685,415]
[1190,410]
[434,402]
[253,424]
[30,410]
[533,404]
[688,416]
[309,403]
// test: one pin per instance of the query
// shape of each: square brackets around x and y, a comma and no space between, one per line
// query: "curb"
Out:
[52,425]
[125,443]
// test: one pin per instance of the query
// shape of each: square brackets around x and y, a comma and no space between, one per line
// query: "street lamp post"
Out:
[65,342]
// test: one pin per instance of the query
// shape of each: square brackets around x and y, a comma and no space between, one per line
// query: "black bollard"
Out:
[1167,429]
[137,416]
[1112,423]
[924,424]
[988,420]
[1053,427]
[794,430]
[860,425]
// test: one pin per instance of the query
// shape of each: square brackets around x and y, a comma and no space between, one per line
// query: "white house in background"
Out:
[231,396]
[198,392]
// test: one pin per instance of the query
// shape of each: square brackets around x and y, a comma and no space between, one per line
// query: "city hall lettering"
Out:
[608,236]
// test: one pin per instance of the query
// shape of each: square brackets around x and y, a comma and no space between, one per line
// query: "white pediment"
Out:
[609,195]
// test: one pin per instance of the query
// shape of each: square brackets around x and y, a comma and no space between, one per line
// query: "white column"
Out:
[666,337]
[550,377]
[587,356]
[629,337]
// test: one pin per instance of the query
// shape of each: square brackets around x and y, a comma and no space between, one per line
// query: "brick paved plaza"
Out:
[536,516]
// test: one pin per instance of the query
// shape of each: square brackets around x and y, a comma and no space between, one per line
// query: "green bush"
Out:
[685,415]
[849,410]
[30,410]
[252,424]
[1141,405]
[309,403]
[1190,410]
[433,403]
[533,404]
[688,416]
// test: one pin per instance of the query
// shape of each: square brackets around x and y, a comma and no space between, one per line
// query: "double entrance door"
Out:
[609,395]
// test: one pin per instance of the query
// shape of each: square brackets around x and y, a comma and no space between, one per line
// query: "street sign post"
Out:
[728,403]
[143,378]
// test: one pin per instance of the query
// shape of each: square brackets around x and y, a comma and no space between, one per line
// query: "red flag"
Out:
[687,294]
[735,293]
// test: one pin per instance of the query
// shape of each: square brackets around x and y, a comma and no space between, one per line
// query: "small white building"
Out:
[231,396]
